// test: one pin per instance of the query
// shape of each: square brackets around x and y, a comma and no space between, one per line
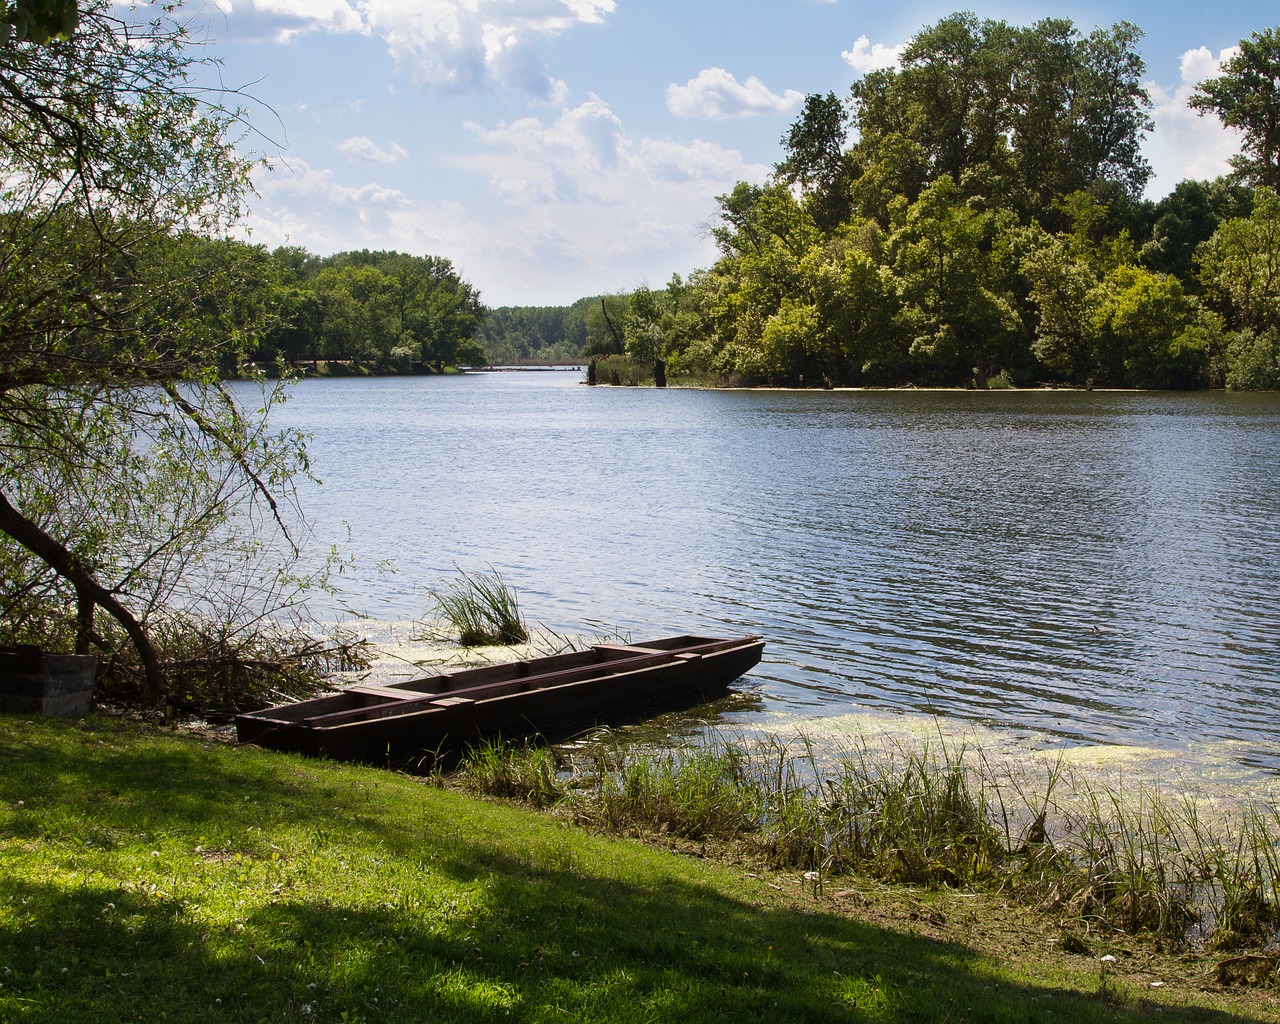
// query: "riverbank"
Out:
[150,874]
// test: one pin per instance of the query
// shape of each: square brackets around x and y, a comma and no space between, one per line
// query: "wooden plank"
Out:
[394,692]
[487,691]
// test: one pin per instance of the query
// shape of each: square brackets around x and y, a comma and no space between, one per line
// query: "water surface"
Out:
[1088,567]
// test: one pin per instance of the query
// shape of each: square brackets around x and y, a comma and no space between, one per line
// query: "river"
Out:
[1067,568]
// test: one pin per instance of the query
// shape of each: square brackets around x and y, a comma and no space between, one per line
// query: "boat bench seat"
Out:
[395,692]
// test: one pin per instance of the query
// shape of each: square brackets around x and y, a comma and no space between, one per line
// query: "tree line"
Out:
[381,310]
[987,226]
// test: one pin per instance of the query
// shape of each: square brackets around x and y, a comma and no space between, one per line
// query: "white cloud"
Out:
[279,21]
[460,45]
[301,205]
[359,147]
[570,200]
[1185,144]
[448,46]
[581,198]
[717,95]
[866,57]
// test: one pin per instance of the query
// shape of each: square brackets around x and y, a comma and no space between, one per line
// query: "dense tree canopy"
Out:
[1019,116]
[1246,96]
[974,217]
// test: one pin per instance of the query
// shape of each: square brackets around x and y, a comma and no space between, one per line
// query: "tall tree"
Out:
[1018,116]
[815,159]
[1246,96]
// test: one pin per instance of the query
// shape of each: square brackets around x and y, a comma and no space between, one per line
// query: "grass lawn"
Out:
[147,875]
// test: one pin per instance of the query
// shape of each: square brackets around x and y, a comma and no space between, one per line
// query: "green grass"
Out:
[931,814]
[480,610]
[153,876]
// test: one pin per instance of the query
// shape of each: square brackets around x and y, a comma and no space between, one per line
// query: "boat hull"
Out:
[425,721]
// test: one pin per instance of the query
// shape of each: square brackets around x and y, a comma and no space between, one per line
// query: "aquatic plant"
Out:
[481,610]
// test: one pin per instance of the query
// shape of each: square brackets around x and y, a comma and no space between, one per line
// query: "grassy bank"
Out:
[149,876]
[1105,857]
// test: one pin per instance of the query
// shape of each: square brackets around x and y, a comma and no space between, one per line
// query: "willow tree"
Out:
[124,462]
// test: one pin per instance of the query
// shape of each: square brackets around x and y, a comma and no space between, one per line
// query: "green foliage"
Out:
[1240,265]
[130,480]
[388,310]
[1254,361]
[37,20]
[529,774]
[1027,114]
[1246,96]
[1146,331]
[988,228]
[511,334]
[481,610]
[695,794]
[816,161]
[1188,216]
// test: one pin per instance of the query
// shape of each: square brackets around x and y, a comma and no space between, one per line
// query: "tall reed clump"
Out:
[935,813]
[696,794]
[481,610]
[912,815]
[526,773]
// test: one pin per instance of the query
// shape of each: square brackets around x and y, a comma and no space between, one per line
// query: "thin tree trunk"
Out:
[88,591]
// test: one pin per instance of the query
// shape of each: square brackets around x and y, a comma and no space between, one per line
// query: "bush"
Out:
[1253,361]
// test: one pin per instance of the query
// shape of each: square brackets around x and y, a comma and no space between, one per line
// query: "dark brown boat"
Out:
[422,720]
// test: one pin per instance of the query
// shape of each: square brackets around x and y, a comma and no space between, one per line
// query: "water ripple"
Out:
[1096,567]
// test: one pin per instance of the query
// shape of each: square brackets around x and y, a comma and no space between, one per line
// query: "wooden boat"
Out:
[418,721]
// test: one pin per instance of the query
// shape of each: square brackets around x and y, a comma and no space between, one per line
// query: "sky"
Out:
[555,149]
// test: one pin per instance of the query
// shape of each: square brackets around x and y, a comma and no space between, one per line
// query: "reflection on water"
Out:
[1097,568]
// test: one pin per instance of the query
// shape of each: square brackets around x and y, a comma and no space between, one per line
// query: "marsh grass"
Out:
[529,774]
[1106,859]
[481,610]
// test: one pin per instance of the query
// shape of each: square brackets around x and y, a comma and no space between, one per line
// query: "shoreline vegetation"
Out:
[150,871]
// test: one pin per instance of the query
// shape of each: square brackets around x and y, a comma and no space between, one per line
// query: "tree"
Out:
[1240,274]
[949,97]
[815,160]
[1246,96]
[1019,115]
[396,309]
[1150,332]
[1188,216]
[955,298]
[124,463]
[37,20]
[1240,266]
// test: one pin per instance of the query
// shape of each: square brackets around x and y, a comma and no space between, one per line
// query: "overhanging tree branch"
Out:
[88,590]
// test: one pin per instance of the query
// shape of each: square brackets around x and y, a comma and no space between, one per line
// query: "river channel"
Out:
[1075,569]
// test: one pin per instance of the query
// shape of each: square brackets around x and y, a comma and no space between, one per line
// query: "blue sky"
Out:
[559,148]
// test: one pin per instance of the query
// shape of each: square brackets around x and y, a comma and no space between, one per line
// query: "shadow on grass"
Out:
[534,922]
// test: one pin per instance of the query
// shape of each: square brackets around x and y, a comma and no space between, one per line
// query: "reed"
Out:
[696,794]
[944,814]
[529,774]
[481,610]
